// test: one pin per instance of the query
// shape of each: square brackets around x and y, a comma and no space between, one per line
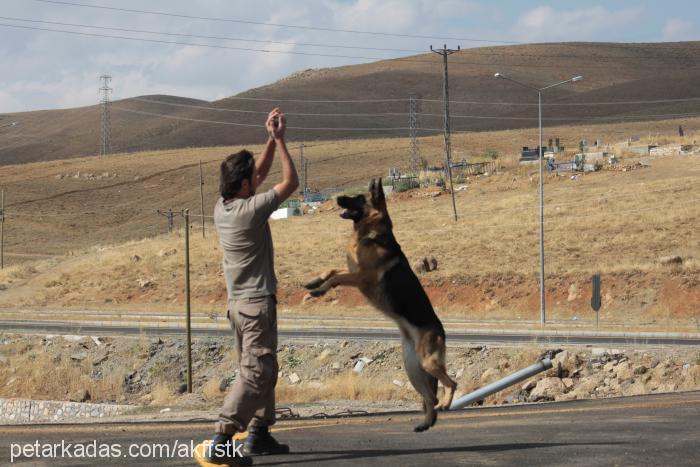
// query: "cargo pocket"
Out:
[259,368]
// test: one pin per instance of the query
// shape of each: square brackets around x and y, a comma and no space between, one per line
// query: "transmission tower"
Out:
[105,103]
[414,150]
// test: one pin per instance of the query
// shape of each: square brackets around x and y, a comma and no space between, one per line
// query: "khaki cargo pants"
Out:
[251,400]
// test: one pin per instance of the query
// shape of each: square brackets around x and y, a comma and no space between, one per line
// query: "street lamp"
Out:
[539,104]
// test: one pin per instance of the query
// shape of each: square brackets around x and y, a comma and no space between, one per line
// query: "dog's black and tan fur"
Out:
[380,270]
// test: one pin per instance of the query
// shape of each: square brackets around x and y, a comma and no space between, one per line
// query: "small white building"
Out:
[284,213]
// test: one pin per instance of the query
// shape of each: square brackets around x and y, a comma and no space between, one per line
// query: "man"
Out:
[241,218]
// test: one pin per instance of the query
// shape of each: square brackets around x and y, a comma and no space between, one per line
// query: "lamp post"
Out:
[541,151]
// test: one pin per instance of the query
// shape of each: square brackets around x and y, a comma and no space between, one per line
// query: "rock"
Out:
[567,396]
[335,366]
[433,263]
[224,383]
[635,389]
[515,397]
[98,342]
[99,359]
[398,383]
[167,252]
[359,366]
[421,266]
[294,378]
[78,357]
[547,389]
[529,385]
[568,383]
[489,376]
[639,370]
[624,371]
[555,371]
[80,395]
[181,389]
[146,283]
[165,410]
[669,260]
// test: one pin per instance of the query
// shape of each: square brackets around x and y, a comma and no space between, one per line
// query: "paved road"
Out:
[347,333]
[647,430]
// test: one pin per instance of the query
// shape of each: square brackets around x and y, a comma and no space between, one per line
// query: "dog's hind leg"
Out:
[422,381]
[432,357]
[436,367]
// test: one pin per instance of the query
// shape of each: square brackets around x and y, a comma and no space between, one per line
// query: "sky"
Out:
[45,69]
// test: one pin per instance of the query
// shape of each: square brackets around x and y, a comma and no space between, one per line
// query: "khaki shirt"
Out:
[245,237]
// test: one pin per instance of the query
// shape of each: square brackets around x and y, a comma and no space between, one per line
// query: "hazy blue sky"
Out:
[45,69]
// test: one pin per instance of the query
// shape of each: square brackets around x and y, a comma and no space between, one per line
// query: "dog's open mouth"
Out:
[346,214]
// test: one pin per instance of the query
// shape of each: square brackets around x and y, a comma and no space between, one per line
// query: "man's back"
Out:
[246,240]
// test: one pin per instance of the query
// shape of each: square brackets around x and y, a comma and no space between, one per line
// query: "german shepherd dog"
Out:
[380,270]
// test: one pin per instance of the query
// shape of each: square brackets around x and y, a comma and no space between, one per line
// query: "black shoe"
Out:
[260,442]
[226,451]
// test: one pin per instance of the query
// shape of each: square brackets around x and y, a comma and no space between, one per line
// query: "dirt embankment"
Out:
[152,371]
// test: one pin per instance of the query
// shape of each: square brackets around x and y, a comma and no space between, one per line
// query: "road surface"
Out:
[67,327]
[646,430]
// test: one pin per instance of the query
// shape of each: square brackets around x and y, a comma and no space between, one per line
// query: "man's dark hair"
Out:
[234,169]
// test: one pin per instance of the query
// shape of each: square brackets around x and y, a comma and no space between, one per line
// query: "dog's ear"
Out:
[377,193]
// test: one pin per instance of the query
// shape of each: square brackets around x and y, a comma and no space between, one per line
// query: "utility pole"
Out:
[414,151]
[188,308]
[302,166]
[446,98]
[170,215]
[2,230]
[201,195]
[105,103]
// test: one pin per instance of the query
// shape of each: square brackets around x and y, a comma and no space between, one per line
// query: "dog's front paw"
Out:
[313,284]
[317,292]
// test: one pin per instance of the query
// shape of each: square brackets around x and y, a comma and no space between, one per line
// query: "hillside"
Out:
[612,72]
[84,233]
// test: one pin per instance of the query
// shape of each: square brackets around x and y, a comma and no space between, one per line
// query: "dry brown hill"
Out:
[613,72]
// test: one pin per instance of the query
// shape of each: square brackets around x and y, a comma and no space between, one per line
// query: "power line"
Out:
[291,52]
[476,52]
[301,114]
[400,114]
[174,117]
[252,125]
[277,25]
[352,31]
[222,38]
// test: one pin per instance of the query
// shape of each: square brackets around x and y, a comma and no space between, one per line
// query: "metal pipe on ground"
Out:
[501,384]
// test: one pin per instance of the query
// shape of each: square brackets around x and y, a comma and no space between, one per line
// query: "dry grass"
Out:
[163,393]
[54,378]
[347,386]
[608,222]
